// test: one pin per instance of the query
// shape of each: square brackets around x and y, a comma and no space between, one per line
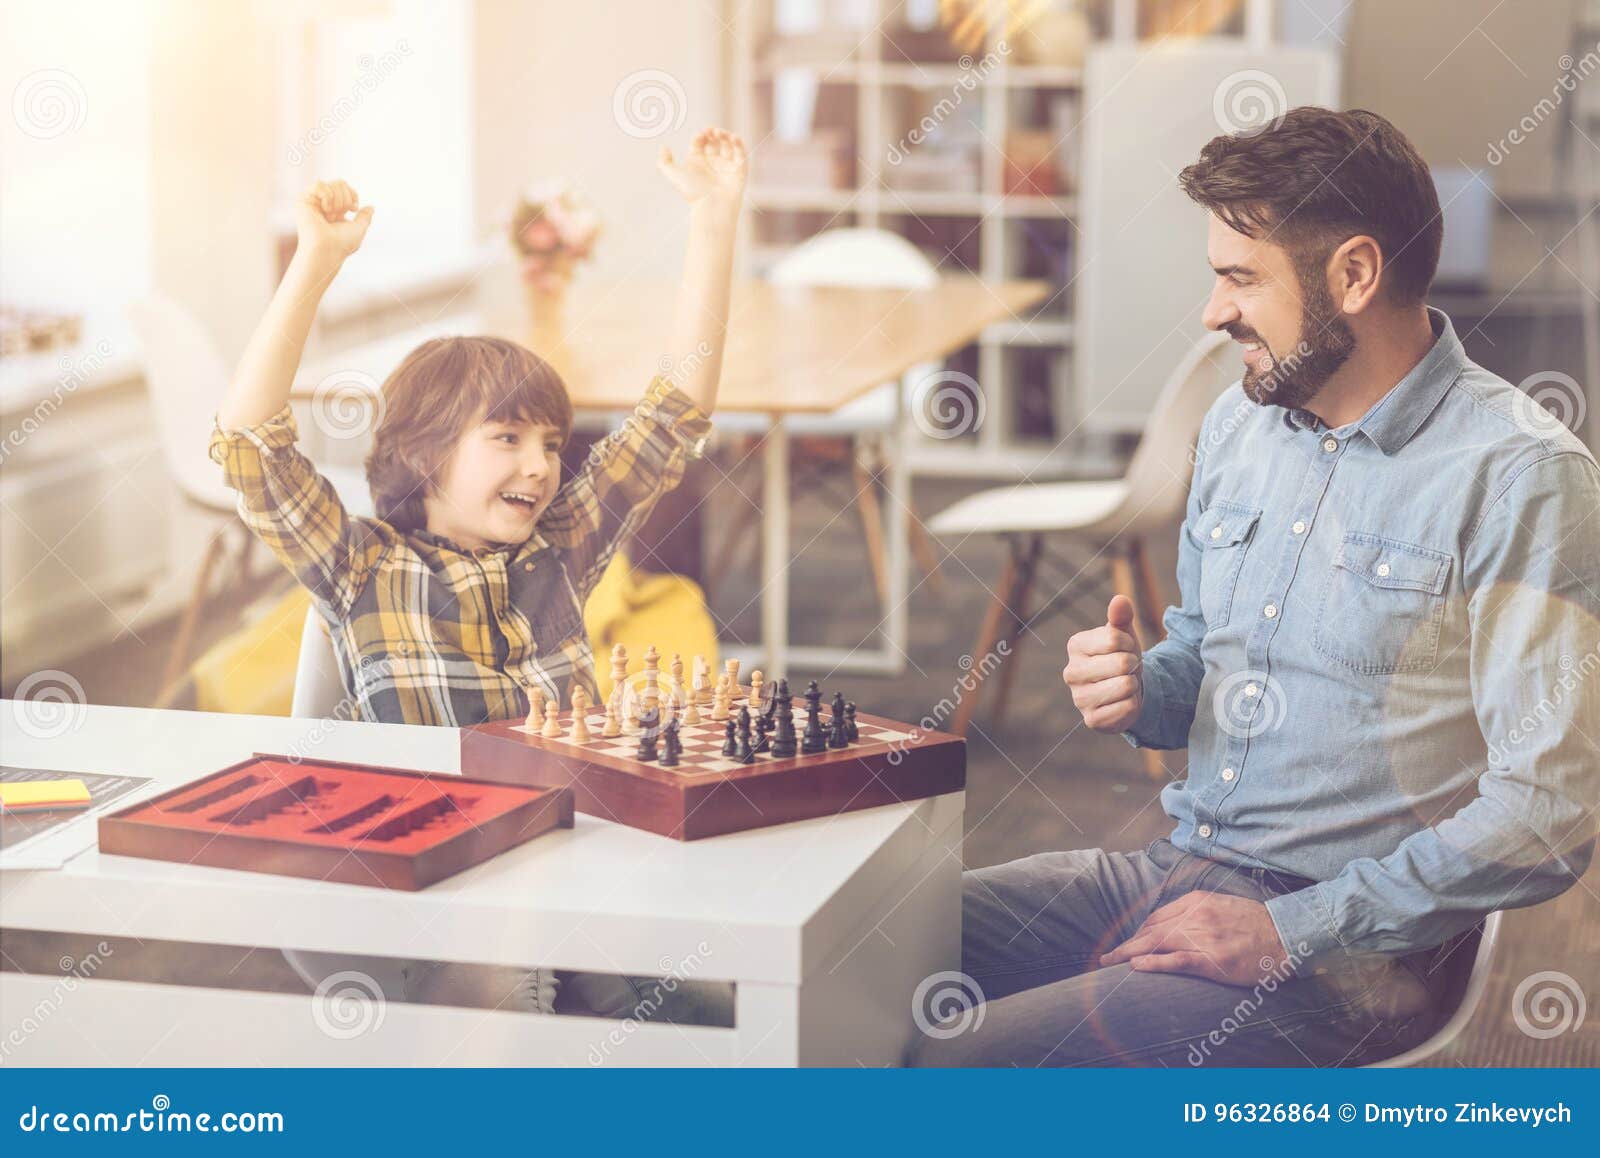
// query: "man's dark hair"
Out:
[1317,178]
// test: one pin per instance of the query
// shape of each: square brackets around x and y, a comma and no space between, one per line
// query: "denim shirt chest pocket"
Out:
[1382,605]
[1223,533]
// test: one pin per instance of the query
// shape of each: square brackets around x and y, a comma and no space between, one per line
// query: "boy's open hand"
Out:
[325,233]
[715,168]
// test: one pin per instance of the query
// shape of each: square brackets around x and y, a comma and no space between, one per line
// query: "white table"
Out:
[826,926]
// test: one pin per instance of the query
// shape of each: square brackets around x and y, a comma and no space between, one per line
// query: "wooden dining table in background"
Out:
[790,350]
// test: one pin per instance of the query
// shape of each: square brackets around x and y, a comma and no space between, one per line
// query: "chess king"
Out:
[469,507]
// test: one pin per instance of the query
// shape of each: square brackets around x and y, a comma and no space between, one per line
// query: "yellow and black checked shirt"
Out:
[428,633]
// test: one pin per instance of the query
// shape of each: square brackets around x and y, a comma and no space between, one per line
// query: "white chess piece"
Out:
[535,719]
[580,713]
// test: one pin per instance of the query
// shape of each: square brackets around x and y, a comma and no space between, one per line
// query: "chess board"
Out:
[707,793]
[354,823]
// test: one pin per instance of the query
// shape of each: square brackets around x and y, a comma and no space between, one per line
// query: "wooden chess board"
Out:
[355,823]
[708,794]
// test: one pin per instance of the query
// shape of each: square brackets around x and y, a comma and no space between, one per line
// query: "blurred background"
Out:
[154,149]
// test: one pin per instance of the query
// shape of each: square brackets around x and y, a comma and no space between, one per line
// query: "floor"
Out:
[1037,781]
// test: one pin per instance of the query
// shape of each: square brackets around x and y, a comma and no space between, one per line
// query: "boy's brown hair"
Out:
[443,389]
[1316,178]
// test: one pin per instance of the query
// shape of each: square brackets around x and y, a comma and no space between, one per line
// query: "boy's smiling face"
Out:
[496,483]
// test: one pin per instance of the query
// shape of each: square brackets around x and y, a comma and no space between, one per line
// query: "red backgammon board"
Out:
[355,823]
[708,793]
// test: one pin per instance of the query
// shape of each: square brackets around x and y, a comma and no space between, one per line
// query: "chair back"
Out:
[317,685]
[185,376]
[856,257]
[1158,474]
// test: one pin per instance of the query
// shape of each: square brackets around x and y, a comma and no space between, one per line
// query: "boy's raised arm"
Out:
[260,386]
[711,178]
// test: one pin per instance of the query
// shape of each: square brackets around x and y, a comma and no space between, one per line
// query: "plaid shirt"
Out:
[428,633]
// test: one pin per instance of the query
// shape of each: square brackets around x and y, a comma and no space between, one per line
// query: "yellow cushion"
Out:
[252,671]
[638,608]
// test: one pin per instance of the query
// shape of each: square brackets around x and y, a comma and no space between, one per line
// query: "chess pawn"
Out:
[552,723]
[580,711]
[535,708]
[721,704]
[612,728]
[691,710]
[757,683]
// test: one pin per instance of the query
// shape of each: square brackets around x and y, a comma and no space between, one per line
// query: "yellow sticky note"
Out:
[32,795]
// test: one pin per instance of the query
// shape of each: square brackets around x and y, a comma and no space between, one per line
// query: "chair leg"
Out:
[1122,584]
[1019,609]
[927,558]
[988,636]
[1150,601]
[178,657]
[871,512]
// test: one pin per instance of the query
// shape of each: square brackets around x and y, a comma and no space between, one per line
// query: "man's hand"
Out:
[326,235]
[714,170]
[1212,935]
[1103,671]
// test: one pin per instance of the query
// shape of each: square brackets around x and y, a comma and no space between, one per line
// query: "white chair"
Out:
[318,688]
[1110,518]
[185,376]
[845,257]
[1471,996]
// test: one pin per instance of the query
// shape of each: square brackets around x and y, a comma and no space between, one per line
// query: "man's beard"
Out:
[1326,343]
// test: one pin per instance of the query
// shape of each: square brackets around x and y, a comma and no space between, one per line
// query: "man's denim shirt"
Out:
[1386,665]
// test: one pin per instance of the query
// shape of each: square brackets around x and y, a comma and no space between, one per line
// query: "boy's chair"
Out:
[1466,994]
[867,427]
[185,376]
[1110,518]
[317,686]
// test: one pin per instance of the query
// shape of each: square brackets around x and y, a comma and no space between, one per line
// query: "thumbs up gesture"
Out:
[1103,670]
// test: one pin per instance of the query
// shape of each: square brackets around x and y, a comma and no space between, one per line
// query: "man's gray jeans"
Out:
[1034,928]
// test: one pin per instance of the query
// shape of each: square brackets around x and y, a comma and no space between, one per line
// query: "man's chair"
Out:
[1466,994]
[185,377]
[1109,519]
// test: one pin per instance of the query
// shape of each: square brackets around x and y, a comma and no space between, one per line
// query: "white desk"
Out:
[825,926]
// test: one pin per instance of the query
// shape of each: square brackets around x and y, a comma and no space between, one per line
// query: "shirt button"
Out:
[1251,690]
[1383,568]
[1270,611]
[1227,774]
[1299,527]
[527,566]
[1330,444]
[1216,532]
[1205,831]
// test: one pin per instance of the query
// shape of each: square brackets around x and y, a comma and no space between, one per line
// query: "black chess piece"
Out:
[851,732]
[728,745]
[838,736]
[813,741]
[743,752]
[674,746]
[648,723]
[783,743]
[765,725]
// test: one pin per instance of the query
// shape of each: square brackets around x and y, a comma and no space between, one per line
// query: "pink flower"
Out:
[540,235]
